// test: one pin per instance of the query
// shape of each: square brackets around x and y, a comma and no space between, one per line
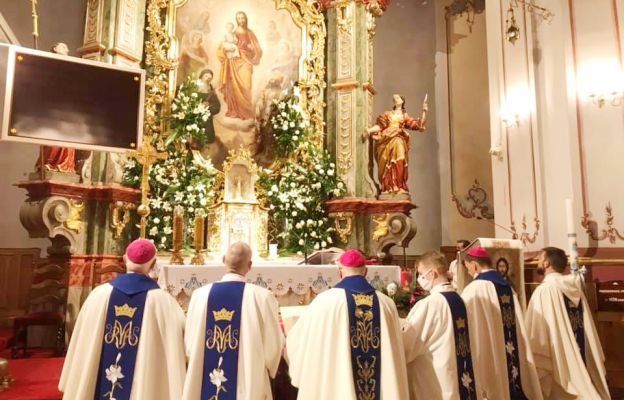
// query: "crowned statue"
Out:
[391,138]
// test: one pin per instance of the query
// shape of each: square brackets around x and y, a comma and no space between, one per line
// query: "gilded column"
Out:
[351,27]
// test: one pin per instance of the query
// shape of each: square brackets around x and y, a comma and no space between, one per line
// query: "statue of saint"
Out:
[391,138]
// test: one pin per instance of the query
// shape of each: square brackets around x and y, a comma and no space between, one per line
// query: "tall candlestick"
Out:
[178,236]
[572,246]
[200,217]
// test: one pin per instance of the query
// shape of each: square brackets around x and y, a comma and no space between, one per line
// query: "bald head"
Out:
[238,258]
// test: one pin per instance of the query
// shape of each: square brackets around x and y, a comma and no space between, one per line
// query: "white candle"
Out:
[570,216]
[273,250]
[572,249]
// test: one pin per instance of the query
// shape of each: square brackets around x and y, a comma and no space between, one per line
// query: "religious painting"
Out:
[243,54]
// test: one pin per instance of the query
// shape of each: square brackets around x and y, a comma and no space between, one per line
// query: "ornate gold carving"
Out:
[120,217]
[381,226]
[343,222]
[93,22]
[525,236]
[223,315]
[74,219]
[346,133]
[345,44]
[238,156]
[610,232]
[125,311]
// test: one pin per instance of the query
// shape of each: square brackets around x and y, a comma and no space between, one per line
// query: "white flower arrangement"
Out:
[188,115]
[174,181]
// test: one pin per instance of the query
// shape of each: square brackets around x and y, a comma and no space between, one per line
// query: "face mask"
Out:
[425,283]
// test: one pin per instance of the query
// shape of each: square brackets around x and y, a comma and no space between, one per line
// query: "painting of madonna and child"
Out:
[244,54]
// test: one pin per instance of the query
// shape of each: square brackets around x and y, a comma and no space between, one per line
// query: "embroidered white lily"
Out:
[466,380]
[113,373]
[217,378]
[514,373]
[509,347]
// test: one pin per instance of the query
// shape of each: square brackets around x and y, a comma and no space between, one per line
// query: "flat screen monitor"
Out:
[63,101]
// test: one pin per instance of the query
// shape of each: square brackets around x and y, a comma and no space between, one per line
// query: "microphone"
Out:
[498,225]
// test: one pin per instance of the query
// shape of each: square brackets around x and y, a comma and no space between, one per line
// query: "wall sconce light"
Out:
[602,82]
[516,106]
[497,152]
[512,33]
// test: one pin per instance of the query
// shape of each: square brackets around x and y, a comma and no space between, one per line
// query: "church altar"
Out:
[291,283]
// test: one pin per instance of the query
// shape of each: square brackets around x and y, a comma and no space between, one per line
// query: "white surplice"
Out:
[160,363]
[260,344]
[562,372]
[429,339]
[319,350]
[487,344]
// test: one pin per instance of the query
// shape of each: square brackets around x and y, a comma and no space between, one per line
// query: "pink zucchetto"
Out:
[478,252]
[352,259]
[141,251]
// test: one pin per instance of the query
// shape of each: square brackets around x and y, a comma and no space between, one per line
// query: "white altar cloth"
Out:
[282,278]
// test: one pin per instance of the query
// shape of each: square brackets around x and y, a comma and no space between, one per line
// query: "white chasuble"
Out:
[567,369]
[319,350]
[260,343]
[431,350]
[160,363]
[490,349]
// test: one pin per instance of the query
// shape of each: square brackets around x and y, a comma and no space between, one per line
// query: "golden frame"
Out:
[161,53]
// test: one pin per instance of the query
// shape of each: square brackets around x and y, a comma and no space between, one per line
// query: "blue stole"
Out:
[121,335]
[508,315]
[365,336]
[465,374]
[223,320]
[575,314]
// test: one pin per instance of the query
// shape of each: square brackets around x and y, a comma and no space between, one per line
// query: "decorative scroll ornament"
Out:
[610,232]
[381,226]
[120,217]
[525,236]
[343,222]
[74,219]
[477,205]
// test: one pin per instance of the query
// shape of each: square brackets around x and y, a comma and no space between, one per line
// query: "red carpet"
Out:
[35,379]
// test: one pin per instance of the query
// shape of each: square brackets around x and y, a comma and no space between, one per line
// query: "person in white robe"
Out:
[436,336]
[348,343]
[253,348]
[128,342]
[504,364]
[565,344]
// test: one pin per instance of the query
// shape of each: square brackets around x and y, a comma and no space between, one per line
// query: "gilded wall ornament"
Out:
[74,219]
[343,222]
